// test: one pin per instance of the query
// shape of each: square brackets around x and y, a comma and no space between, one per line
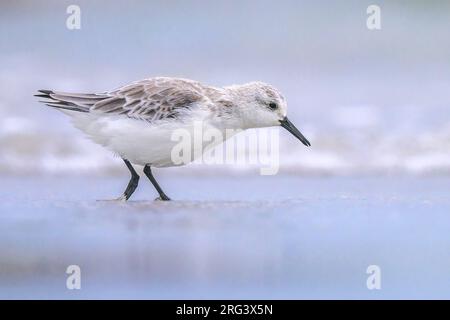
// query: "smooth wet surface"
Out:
[227,237]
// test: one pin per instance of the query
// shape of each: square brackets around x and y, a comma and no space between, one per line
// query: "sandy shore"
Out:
[259,237]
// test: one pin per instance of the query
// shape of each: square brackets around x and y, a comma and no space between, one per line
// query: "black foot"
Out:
[163,198]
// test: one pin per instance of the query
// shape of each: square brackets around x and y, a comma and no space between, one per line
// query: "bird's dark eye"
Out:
[273,106]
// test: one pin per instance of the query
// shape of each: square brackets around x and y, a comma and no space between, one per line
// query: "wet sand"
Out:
[237,237]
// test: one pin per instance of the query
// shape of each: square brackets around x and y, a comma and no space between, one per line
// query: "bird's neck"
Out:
[227,108]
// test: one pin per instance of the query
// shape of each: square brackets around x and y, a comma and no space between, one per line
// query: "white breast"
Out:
[138,141]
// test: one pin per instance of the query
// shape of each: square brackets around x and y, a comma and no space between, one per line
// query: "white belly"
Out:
[140,142]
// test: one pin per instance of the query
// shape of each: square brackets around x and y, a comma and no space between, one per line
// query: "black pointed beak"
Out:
[285,123]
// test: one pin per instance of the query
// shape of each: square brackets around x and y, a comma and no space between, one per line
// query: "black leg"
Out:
[148,173]
[132,185]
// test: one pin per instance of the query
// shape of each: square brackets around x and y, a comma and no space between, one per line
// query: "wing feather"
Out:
[149,100]
[152,99]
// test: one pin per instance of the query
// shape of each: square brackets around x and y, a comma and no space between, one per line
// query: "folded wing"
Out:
[149,100]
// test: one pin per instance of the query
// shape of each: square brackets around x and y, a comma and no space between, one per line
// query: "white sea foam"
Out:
[31,147]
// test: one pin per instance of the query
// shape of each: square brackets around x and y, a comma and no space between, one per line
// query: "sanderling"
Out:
[135,121]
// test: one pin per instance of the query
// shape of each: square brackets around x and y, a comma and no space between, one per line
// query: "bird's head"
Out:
[261,105]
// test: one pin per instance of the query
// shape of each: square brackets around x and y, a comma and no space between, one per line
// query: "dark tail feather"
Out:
[61,101]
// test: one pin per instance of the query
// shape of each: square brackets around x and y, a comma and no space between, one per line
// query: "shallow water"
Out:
[368,101]
[236,237]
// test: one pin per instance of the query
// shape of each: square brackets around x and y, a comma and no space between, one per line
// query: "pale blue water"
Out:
[369,101]
[236,237]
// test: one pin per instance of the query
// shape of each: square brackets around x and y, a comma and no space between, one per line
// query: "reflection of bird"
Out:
[136,121]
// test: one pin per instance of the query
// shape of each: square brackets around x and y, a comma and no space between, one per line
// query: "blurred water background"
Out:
[369,101]
[372,189]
